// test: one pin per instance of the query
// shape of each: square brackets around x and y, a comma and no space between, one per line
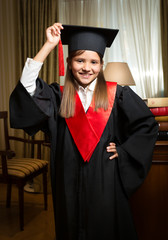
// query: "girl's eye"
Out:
[79,60]
[94,62]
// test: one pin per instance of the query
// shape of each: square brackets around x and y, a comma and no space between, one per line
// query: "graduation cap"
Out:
[86,38]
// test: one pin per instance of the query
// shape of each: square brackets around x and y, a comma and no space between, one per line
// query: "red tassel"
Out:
[61,59]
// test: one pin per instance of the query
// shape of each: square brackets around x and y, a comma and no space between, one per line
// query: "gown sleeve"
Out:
[31,113]
[135,152]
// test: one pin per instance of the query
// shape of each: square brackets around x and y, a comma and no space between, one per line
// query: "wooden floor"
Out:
[39,224]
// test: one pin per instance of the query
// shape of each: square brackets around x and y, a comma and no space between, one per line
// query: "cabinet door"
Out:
[150,203]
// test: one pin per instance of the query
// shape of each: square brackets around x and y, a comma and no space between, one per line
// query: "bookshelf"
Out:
[149,203]
[160,155]
[159,108]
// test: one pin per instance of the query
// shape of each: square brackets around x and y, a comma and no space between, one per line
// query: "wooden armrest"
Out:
[8,153]
[30,141]
[3,152]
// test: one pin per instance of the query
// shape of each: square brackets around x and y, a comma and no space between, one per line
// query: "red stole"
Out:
[87,128]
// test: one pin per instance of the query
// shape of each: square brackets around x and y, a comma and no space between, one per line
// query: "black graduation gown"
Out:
[91,198]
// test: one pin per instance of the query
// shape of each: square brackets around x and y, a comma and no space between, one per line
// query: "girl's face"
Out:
[85,67]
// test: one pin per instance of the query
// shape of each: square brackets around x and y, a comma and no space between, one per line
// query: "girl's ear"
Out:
[102,64]
[68,63]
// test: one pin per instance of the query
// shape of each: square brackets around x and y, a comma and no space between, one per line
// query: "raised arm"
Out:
[31,109]
[32,66]
[53,36]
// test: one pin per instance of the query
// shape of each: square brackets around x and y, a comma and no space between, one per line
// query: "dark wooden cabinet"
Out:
[150,203]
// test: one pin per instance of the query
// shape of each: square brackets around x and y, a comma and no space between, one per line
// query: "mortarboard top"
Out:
[87,38]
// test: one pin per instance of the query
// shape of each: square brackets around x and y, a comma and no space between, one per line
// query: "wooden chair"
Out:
[20,171]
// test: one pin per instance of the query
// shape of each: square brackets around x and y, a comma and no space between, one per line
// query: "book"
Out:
[159,111]
[161,118]
[156,102]
[163,126]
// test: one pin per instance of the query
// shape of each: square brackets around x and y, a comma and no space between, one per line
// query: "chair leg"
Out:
[21,206]
[8,198]
[45,189]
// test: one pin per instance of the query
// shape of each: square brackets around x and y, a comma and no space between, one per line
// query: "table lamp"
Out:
[119,72]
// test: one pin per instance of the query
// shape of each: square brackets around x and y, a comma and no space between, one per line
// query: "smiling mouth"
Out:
[85,75]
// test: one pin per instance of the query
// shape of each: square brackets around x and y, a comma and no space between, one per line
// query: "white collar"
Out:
[86,94]
[90,87]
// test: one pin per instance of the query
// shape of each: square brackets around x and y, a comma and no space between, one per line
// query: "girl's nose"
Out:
[86,67]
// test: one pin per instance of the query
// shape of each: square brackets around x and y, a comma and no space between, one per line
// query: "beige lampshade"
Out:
[119,72]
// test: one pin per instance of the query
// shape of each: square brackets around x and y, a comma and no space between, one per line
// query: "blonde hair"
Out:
[67,108]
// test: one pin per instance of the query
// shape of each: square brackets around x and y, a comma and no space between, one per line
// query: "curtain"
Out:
[9,72]
[138,42]
[164,35]
[22,26]
[35,17]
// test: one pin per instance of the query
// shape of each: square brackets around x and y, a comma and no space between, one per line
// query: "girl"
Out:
[102,136]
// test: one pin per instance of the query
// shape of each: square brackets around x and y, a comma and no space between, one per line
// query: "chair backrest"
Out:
[4,118]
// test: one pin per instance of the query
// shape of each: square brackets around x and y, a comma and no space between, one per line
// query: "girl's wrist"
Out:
[50,45]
